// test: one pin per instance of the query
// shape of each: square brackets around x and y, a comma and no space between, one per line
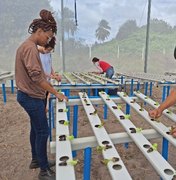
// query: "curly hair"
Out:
[95,59]
[46,22]
[51,43]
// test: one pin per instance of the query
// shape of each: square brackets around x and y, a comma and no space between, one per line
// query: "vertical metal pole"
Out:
[165,144]
[164,93]
[146,88]
[131,87]
[105,107]
[4,93]
[138,86]
[87,163]
[12,86]
[151,87]
[165,147]
[127,112]
[62,32]
[76,20]
[147,36]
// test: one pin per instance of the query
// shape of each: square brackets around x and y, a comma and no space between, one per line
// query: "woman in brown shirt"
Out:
[32,86]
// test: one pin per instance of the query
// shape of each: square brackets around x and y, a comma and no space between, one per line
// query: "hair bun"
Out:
[46,15]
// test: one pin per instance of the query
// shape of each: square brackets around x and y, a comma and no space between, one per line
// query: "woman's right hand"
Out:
[61,97]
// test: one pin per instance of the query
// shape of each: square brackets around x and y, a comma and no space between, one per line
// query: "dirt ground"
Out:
[15,153]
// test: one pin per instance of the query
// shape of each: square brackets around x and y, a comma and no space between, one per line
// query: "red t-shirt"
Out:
[104,65]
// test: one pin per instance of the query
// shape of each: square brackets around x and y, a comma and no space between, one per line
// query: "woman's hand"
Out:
[61,97]
[57,77]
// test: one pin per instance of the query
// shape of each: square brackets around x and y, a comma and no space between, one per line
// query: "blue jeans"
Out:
[35,108]
[110,72]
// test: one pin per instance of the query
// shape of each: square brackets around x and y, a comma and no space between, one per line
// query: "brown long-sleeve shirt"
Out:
[28,70]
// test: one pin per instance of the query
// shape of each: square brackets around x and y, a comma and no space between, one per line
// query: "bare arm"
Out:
[48,87]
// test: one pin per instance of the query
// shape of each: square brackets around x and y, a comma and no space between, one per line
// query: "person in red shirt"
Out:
[103,67]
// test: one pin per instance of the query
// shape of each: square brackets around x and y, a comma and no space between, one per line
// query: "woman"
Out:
[46,60]
[32,86]
[103,67]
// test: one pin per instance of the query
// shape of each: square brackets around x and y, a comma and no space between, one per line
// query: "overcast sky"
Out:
[116,12]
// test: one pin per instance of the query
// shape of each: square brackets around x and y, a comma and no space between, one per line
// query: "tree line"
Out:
[103,30]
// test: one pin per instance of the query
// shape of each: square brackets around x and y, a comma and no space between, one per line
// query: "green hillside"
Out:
[131,52]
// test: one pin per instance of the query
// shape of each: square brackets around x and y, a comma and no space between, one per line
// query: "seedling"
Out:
[84,95]
[63,110]
[106,161]
[169,112]
[64,137]
[127,116]
[94,113]
[100,148]
[73,162]
[71,137]
[153,148]
[108,146]
[135,130]
[156,103]
[141,107]
[124,94]
[100,125]
[119,107]
[172,131]
[66,123]
[155,119]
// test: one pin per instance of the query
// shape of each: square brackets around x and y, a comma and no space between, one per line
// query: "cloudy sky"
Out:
[116,12]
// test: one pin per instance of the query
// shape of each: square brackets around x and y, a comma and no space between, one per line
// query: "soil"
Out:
[15,152]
